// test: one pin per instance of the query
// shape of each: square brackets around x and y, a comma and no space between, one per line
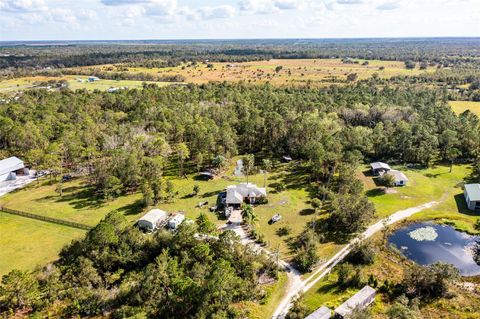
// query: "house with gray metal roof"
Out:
[472,196]
[360,300]
[321,313]
[10,167]
[244,192]
[379,168]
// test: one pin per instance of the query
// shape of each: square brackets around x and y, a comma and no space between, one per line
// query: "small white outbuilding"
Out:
[152,220]
[176,221]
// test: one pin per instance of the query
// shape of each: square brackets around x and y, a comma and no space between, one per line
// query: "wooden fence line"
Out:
[45,218]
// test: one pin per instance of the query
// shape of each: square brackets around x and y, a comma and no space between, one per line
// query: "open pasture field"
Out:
[79,203]
[19,84]
[425,185]
[275,71]
[461,106]
[26,243]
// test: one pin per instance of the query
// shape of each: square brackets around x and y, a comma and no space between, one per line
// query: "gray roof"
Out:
[10,164]
[154,216]
[399,176]
[380,165]
[321,313]
[473,191]
[357,300]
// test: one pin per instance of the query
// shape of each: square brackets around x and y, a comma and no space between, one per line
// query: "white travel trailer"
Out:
[175,221]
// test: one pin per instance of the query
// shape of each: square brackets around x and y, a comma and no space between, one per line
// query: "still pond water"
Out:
[427,243]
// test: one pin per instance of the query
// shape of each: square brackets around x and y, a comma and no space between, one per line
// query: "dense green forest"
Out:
[444,51]
[125,142]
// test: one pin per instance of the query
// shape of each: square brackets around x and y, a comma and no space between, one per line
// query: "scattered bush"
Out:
[284,231]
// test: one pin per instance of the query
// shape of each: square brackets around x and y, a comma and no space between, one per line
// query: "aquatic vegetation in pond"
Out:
[424,234]
[427,243]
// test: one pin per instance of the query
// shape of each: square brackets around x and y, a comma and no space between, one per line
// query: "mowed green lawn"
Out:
[424,185]
[461,106]
[79,204]
[26,243]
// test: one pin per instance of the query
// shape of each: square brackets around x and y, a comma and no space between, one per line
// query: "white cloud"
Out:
[86,15]
[62,15]
[21,6]
[219,12]
[270,6]
[347,2]
[123,2]
[388,6]
[161,7]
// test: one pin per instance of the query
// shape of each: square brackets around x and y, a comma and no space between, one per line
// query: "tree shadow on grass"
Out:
[307,211]
[85,198]
[375,192]
[133,208]
[212,193]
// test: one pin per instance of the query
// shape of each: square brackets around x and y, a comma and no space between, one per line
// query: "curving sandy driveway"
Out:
[297,285]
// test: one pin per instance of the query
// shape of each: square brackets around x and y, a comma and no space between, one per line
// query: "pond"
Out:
[428,242]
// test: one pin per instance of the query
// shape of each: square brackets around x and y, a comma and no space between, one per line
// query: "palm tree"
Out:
[249,215]
[248,164]
[267,167]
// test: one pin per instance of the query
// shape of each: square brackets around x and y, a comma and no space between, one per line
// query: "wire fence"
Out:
[45,219]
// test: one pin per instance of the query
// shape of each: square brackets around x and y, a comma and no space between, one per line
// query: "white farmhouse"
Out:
[152,220]
[244,192]
[10,167]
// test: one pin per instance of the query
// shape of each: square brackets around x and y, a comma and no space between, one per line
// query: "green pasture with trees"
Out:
[143,148]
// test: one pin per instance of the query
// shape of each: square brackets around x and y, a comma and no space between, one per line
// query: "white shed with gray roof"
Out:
[10,167]
[321,313]
[152,220]
[361,300]
[400,178]
[472,196]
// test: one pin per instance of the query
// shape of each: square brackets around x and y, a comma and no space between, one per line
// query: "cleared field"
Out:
[19,84]
[277,72]
[26,243]
[461,106]
[80,205]
[435,183]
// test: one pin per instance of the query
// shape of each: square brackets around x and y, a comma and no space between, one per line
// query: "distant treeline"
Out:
[445,52]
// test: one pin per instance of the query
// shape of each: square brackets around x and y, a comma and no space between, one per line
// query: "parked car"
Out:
[66,178]
[275,218]
[41,173]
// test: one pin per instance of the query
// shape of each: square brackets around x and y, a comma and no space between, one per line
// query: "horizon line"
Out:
[243,39]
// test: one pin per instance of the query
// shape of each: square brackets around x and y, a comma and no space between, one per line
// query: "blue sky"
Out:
[191,19]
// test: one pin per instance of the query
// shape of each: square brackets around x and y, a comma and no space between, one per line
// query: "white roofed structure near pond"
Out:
[152,220]
[321,313]
[400,178]
[237,194]
[361,299]
[9,166]
[472,196]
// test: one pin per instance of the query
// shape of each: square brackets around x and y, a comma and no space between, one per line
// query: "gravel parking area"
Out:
[21,181]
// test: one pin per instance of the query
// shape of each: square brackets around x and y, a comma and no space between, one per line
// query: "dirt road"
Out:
[297,285]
